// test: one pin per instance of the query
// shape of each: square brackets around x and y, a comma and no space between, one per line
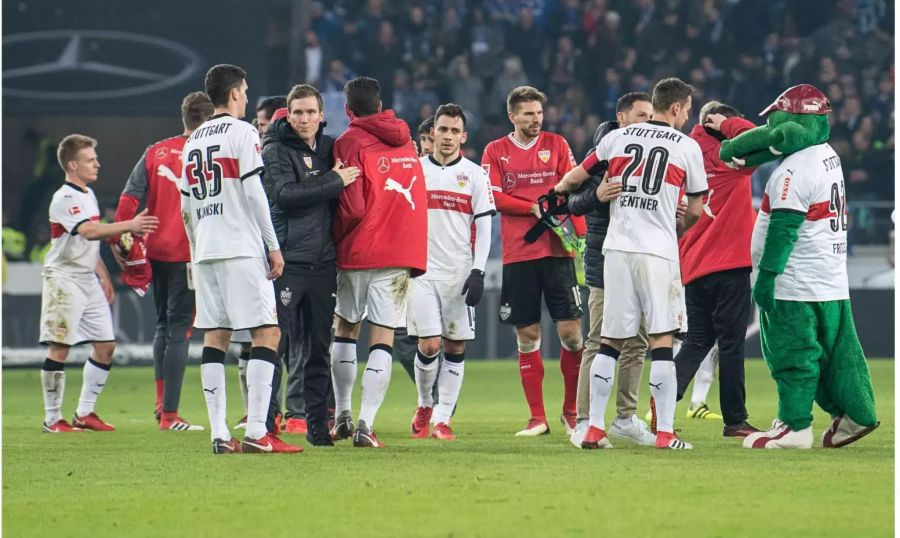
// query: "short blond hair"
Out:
[524,94]
[70,146]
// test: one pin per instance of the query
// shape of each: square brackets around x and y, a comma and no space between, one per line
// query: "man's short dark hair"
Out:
[195,109]
[363,96]
[270,104]
[715,107]
[304,90]
[220,80]
[450,109]
[670,91]
[627,101]
[426,126]
[524,94]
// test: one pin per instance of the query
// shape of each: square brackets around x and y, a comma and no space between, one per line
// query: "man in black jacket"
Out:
[303,182]
[631,108]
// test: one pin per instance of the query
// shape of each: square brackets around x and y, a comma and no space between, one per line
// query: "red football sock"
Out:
[531,370]
[570,364]
[159,393]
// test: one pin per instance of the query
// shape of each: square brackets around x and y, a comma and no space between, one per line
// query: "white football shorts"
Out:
[636,284]
[379,294]
[74,311]
[438,308]
[234,294]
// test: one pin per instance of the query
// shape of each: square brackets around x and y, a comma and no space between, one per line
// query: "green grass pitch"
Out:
[143,482]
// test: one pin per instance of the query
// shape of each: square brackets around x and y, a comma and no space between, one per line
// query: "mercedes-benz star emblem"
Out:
[92,64]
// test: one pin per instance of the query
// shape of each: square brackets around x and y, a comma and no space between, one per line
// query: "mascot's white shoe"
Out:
[780,436]
[844,431]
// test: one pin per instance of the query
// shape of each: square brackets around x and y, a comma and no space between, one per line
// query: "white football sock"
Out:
[93,380]
[663,388]
[703,379]
[54,385]
[603,373]
[212,376]
[449,385]
[375,380]
[242,376]
[426,374]
[259,392]
[343,374]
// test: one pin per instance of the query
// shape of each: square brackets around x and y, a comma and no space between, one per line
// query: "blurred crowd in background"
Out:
[585,53]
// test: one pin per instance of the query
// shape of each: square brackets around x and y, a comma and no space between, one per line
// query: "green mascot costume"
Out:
[800,254]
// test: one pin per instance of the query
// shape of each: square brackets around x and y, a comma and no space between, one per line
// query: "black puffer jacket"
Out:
[584,202]
[302,190]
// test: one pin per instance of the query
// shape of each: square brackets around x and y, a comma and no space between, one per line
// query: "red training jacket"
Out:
[720,240]
[382,218]
[155,180]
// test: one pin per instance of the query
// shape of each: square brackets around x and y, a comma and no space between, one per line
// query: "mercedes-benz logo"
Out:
[92,64]
[384,166]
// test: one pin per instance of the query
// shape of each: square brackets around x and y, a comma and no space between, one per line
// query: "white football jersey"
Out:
[218,157]
[458,194]
[653,161]
[70,254]
[809,182]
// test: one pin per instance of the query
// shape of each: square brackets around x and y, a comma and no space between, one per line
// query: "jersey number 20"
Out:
[206,172]
[654,168]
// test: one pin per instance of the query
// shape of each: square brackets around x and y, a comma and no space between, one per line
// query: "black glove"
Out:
[473,289]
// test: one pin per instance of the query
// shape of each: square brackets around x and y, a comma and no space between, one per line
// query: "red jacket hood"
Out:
[385,126]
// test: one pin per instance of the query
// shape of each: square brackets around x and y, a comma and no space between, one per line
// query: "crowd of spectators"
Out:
[585,53]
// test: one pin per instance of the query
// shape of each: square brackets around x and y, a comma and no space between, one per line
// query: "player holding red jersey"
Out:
[523,166]
[154,181]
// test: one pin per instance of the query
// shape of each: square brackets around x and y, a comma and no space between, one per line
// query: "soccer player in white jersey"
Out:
[76,288]
[226,215]
[442,301]
[648,165]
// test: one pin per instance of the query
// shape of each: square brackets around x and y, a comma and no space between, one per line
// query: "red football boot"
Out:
[60,426]
[221,446]
[295,426]
[171,421]
[419,426]
[268,443]
[442,431]
[595,438]
[92,422]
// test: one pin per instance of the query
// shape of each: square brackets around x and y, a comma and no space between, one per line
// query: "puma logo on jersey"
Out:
[393,185]
[167,173]
[657,386]
[505,159]
[607,379]
[706,208]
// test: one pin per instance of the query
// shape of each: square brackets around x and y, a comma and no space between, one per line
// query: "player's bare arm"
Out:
[105,282]
[572,180]
[140,225]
